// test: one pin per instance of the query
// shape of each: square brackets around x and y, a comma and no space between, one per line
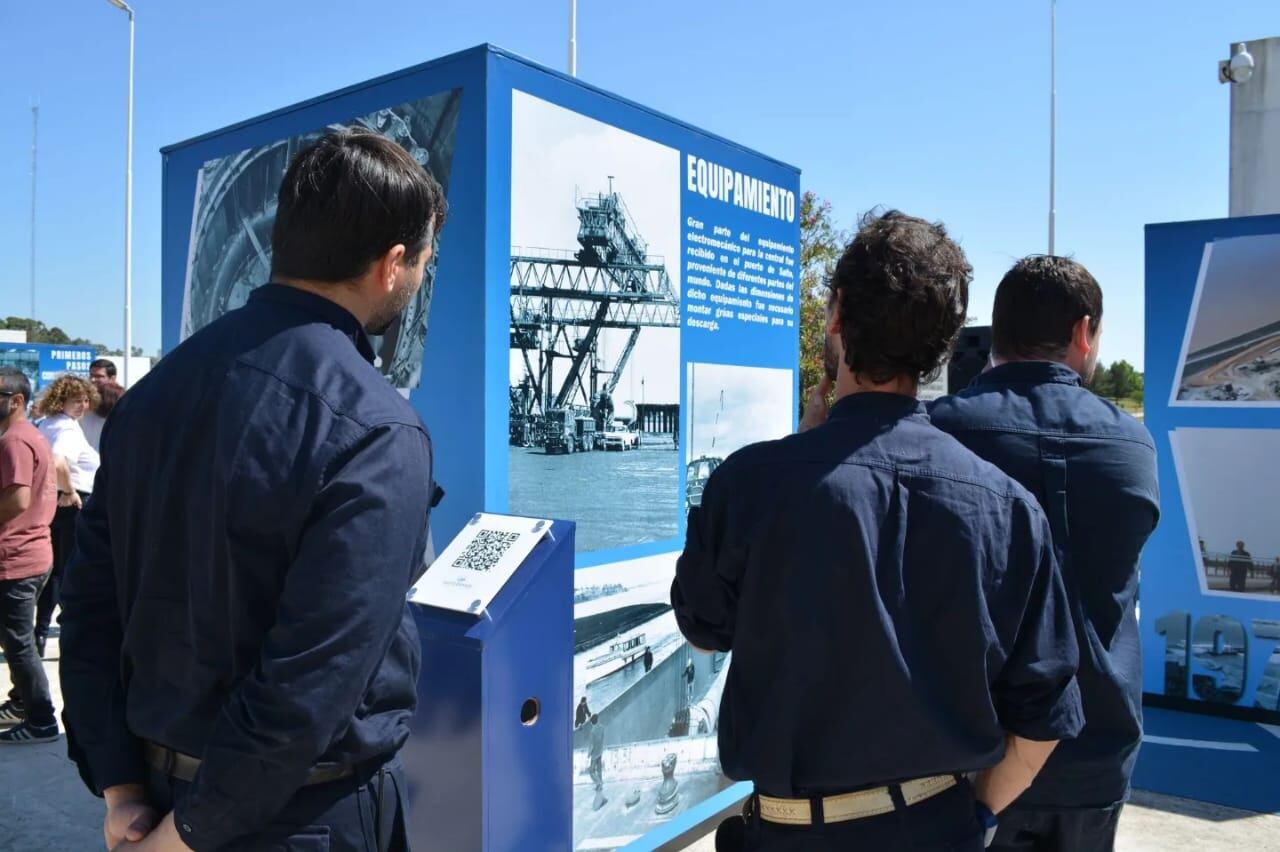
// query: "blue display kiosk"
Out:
[612,308]
[489,755]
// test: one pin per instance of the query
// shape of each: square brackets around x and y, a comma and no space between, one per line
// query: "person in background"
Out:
[892,602]
[595,756]
[1238,565]
[102,372]
[239,661]
[583,714]
[109,394]
[28,498]
[1092,467]
[60,409]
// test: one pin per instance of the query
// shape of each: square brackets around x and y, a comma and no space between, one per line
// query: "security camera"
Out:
[1238,68]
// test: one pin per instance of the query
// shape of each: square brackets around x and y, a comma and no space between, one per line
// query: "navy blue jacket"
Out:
[239,588]
[1093,469]
[891,601]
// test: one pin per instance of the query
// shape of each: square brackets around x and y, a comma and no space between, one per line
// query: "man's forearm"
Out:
[998,786]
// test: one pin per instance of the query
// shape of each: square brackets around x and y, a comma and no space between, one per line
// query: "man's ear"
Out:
[1082,338]
[385,268]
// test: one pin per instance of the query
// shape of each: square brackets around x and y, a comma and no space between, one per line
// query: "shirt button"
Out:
[186,827]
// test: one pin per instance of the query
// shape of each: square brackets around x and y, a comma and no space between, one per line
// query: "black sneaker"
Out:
[11,714]
[28,734]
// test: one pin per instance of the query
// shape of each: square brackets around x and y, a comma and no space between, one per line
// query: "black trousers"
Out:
[63,532]
[341,816]
[1085,830]
[17,613]
[946,822]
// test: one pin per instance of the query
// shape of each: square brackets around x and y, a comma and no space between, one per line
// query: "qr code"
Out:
[485,550]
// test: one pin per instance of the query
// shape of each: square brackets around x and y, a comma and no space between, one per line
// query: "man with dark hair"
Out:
[28,500]
[237,653]
[102,372]
[1093,469]
[891,601]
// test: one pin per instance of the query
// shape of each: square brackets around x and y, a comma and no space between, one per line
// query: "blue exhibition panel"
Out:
[1211,573]
[612,309]
[44,362]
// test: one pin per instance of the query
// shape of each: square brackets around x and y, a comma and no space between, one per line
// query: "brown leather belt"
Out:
[175,764]
[851,806]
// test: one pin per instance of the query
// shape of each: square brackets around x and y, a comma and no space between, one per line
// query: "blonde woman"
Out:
[59,410]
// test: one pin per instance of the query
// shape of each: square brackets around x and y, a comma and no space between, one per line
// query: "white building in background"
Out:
[12,336]
[1255,133]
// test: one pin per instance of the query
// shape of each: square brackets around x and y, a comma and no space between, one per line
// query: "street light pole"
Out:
[128,206]
[1053,116]
[573,38]
[35,135]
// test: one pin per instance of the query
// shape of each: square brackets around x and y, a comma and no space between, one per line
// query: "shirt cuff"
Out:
[1062,718]
[194,834]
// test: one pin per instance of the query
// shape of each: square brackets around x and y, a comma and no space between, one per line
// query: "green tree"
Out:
[821,244]
[38,332]
[1124,379]
[1102,383]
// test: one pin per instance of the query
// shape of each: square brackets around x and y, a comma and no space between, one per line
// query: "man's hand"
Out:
[816,408]
[72,499]
[164,839]
[130,816]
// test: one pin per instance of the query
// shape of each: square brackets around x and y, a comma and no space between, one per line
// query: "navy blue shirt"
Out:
[1093,469]
[239,588]
[892,603]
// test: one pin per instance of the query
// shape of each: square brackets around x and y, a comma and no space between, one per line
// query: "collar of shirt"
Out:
[1028,373]
[877,407]
[328,311]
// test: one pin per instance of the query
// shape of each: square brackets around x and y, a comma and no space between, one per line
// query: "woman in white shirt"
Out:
[61,406]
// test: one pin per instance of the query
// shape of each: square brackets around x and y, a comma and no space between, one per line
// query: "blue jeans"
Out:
[17,638]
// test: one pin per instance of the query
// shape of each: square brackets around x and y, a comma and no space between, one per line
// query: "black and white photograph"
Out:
[594,417]
[1231,352]
[1228,482]
[1267,695]
[646,706]
[26,360]
[230,246]
[729,408]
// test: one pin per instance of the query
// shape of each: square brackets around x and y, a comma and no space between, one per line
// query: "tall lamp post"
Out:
[128,206]
[1053,115]
[573,38]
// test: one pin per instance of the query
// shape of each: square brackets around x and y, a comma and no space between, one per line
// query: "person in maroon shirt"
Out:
[28,499]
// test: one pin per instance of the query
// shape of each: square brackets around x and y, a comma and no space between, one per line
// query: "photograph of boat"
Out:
[729,408]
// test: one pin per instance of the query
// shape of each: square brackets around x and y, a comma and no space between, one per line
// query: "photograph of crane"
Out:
[594,408]
[235,207]
[730,408]
[1231,353]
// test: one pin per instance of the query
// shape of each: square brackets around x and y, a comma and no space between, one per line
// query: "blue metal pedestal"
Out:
[489,756]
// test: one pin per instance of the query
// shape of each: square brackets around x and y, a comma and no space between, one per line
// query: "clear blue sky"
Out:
[936,108]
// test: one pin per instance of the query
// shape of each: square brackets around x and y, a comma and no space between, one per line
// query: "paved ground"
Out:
[44,808]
